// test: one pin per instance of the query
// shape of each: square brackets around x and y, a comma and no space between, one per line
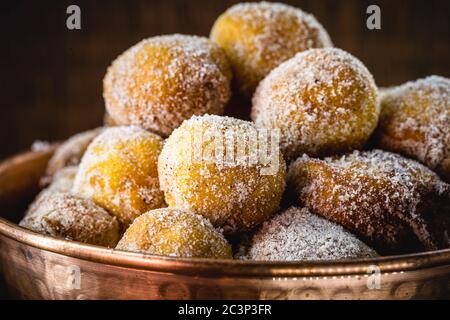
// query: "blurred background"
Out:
[51,77]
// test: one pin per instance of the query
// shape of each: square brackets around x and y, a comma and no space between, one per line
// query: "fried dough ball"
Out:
[297,234]
[69,153]
[324,102]
[119,172]
[66,216]
[257,37]
[63,180]
[392,203]
[415,121]
[207,166]
[164,80]
[177,233]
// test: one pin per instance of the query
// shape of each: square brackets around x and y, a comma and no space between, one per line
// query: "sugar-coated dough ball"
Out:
[164,80]
[70,152]
[177,233]
[394,204]
[324,102]
[63,180]
[298,235]
[66,216]
[415,121]
[119,172]
[236,195]
[257,37]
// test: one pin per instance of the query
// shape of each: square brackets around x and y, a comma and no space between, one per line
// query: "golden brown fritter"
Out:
[67,216]
[257,37]
[70,152]
[175,233]
[324,102]
[236,195]
[119,172]
[415,121]
[393,203]
[164,80]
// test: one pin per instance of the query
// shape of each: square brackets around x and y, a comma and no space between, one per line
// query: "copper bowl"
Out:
[35,266]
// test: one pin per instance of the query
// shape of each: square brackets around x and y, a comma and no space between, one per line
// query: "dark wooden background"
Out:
[51,78]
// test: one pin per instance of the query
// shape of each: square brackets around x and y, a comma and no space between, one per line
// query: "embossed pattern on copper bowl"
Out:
[35,266]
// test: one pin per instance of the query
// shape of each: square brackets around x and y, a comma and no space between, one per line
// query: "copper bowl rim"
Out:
[214,267]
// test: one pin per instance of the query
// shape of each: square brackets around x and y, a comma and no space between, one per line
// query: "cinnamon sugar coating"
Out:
[70,152]
[257,37]
[415,121]
[67,216]
[236,196]
[392,203]
[175,233]
[324,102]
[298,235]
[119,172]
[164,80]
